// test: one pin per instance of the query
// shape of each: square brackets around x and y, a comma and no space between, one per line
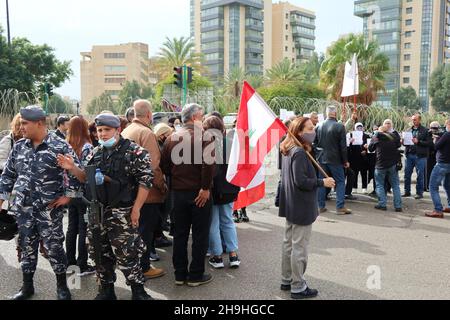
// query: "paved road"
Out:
[410,251]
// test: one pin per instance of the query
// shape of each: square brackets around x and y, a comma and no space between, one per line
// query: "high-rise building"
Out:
[414,34]
[105,69]
[233,34]
[293,33]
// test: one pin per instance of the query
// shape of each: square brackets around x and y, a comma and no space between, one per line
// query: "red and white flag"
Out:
[258,130]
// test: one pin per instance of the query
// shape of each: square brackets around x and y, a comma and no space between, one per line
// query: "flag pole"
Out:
[316,164]
[355,109]
[344,110]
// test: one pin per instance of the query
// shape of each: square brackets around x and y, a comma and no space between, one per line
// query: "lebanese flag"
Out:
[258,130]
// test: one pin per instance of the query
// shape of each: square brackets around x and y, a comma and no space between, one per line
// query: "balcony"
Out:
[363,8]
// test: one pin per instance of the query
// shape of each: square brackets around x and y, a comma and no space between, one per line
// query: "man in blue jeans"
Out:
[331,146]
[386,143]
[416,157]
[441,172]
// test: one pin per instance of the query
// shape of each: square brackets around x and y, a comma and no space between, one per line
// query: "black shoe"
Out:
[139,293]
[106,292]
[86,271]
[236,217]
[307,294]
[351,197]
[234,262]
[216,262]
[62,292]
[285,287]
[406,195]
[381,208]
[205,279]
[399,210]
[245,218]
[163,242]
[27,290]
[419,197]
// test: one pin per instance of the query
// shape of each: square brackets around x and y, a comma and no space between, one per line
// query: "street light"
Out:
[7,23]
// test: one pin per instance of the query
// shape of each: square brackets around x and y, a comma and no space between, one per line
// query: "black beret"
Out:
[33,113]
[108,120]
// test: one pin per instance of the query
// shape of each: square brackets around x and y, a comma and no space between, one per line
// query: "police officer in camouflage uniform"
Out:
[128,178]
[42,190]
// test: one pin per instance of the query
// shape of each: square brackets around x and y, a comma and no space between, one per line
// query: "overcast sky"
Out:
[74,26]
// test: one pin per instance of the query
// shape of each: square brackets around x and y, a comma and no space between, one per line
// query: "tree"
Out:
[131,92]
[176,53]
[311,68]
[102,103]
[57,104]
[27,67]
[373,66]
[296,90]
[440,88]
[407,98]
[284,72]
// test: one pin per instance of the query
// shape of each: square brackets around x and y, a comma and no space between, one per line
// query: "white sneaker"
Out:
[364,191]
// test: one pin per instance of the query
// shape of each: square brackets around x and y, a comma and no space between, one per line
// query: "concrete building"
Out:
[233,33]
[105,69]
[414,34]
[293,33]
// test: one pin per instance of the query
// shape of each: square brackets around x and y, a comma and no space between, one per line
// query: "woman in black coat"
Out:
[298,204]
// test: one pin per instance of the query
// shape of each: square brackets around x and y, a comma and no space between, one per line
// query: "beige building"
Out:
[233,34]
[414,34]
[293,33]
[106,69]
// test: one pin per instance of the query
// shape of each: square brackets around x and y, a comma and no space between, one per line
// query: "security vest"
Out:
[122,190]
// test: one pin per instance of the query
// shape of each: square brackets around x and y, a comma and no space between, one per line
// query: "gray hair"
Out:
[142,107]
[331,109]
[189,111]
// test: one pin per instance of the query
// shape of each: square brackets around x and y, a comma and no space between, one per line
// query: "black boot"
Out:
[106,292]
[27,290]
[138,292]
[62,292]
[244,216]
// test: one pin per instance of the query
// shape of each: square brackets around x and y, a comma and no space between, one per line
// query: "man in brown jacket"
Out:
[139,131]
[185,159]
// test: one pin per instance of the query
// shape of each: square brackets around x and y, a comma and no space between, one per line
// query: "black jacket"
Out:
[386,146]
[223,192]
[299,187]
[422,149]
[331,143]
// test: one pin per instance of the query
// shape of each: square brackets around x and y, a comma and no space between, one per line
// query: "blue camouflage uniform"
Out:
[37,180]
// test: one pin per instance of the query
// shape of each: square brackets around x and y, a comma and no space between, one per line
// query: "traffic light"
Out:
[178,76]
[190,76]
[48,89]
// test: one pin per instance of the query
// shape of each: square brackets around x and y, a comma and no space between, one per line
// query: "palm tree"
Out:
[284,72]
[178,52]
[373,66]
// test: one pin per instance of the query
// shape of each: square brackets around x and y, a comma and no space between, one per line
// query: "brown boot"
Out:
[343,212]
[435,214]
[154,273]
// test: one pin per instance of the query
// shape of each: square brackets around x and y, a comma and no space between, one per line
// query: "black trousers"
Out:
[77,227]
[186,216]
[148,223]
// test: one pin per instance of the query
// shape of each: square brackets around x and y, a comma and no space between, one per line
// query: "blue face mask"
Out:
[108,144]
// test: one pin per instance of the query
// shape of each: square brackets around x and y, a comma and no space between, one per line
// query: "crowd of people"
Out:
[172,178]
[335,161]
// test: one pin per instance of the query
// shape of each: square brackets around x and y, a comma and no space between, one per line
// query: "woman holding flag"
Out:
[298,204]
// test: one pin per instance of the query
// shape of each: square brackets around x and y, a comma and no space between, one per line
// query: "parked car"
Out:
[229,119]
[159,117]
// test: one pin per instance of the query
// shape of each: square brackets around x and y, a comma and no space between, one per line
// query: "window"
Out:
[406,80]
[406,69]
[286,49]
[115,80]
[408,45]
[114,55]
[408,22]
[408,34]
[407,57]
[287,15]
[287,38]
[409,10]
[287,27]
[115,69]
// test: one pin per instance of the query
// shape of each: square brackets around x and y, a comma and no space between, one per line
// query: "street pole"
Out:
[185,75]
[7,23]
